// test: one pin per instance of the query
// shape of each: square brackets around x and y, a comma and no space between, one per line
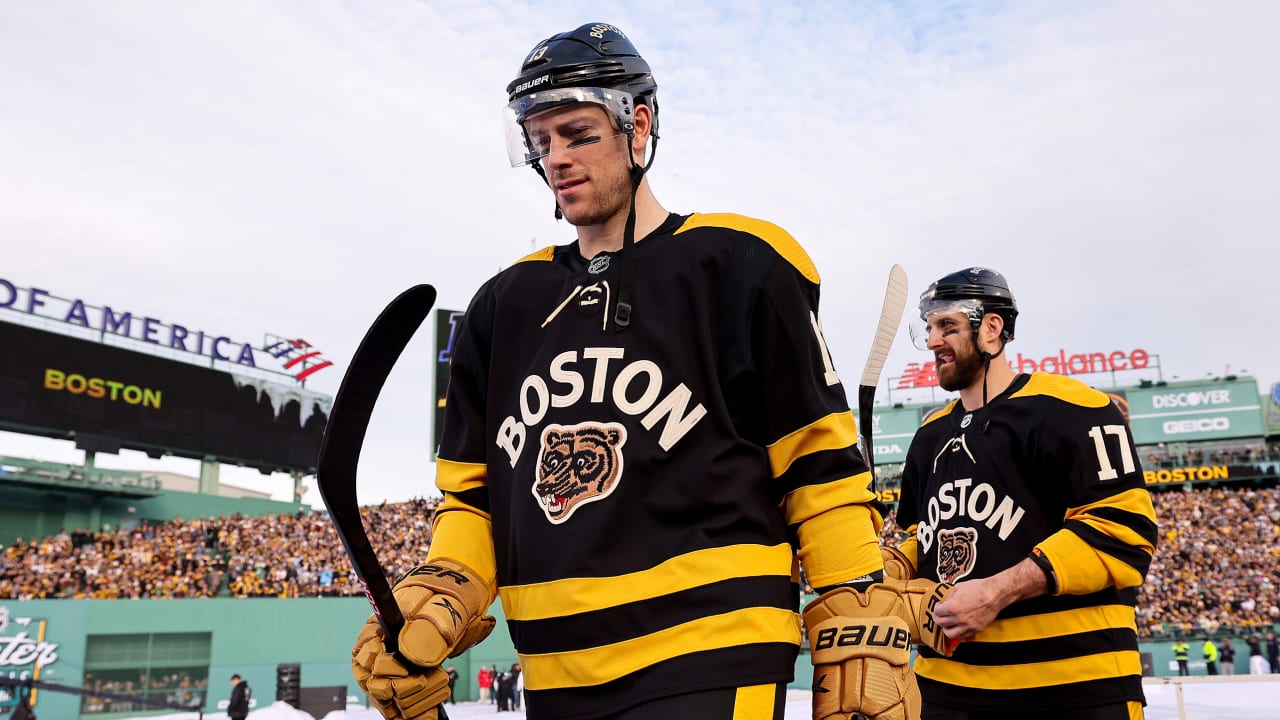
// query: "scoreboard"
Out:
[63,387]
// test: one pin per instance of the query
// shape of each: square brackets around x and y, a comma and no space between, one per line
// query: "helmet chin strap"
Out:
[537,167]
[622,311]
[987,357]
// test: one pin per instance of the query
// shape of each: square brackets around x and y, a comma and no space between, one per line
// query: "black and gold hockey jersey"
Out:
[645,489]
[1047,470]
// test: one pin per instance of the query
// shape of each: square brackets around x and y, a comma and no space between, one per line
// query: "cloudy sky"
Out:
[282,167]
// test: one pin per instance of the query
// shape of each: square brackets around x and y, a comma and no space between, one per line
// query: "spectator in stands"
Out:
[484,681]
[1220,552]
[272,555]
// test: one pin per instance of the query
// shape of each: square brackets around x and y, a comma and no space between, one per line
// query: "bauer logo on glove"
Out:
[850,635]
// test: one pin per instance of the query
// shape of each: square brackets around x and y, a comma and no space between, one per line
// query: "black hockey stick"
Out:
[344,436]
[895,301]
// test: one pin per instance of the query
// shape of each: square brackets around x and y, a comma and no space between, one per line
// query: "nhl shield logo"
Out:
[598,264]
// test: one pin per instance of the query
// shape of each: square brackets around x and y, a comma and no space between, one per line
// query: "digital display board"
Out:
[447,323]
[892,430]
[59,386]
[1209,411]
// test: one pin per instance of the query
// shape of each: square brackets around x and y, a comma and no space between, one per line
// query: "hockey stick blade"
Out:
[344,437]
[895,301]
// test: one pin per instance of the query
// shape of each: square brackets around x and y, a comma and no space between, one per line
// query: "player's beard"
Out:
[962,372]
[612,196]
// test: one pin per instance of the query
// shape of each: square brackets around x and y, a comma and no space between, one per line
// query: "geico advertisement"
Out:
[1195,412]
[55,385]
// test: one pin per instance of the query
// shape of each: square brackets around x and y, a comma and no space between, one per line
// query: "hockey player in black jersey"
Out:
[644,433]
[1025,493]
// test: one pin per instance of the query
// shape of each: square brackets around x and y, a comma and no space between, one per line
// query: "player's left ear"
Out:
[992,326]
[643,122]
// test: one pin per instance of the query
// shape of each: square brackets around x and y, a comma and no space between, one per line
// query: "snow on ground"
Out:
[1246,698]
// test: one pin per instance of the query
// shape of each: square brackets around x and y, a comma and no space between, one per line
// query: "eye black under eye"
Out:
[585,141]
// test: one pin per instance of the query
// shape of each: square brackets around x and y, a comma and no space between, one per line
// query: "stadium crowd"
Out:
[242,556]
[1218,565]
[177,688]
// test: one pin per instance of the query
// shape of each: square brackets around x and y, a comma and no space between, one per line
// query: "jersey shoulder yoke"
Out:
[546,254]
[777,238]
[939,413]
[1063,388]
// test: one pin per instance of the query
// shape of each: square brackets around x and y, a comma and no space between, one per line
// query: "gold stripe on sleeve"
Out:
[833,432]
[455,477]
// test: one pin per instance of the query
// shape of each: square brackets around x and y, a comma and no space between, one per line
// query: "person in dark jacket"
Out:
[238,707]
[452,672]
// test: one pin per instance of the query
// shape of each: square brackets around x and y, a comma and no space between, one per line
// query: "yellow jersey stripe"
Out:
[779,239]
[602,664]
[833,432]
[1031,675]
[558,598]
[810,500]
[1053,624]
[455,477]
[1134,500]
[754,702]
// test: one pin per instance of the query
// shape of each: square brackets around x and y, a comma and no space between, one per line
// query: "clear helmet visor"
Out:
[528,140]
[945,317]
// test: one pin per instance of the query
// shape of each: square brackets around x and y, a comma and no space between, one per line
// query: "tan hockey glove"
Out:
[394,691]
[896,564]
[443,605]
[918,598]
[861,656]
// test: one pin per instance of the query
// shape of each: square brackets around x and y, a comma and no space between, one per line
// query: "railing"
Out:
[61,475]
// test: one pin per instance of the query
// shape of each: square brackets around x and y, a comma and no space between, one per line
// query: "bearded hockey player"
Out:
[1027,495]
[644,432]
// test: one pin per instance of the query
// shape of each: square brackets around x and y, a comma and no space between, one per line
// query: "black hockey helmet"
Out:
[974,291]
[595,63]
